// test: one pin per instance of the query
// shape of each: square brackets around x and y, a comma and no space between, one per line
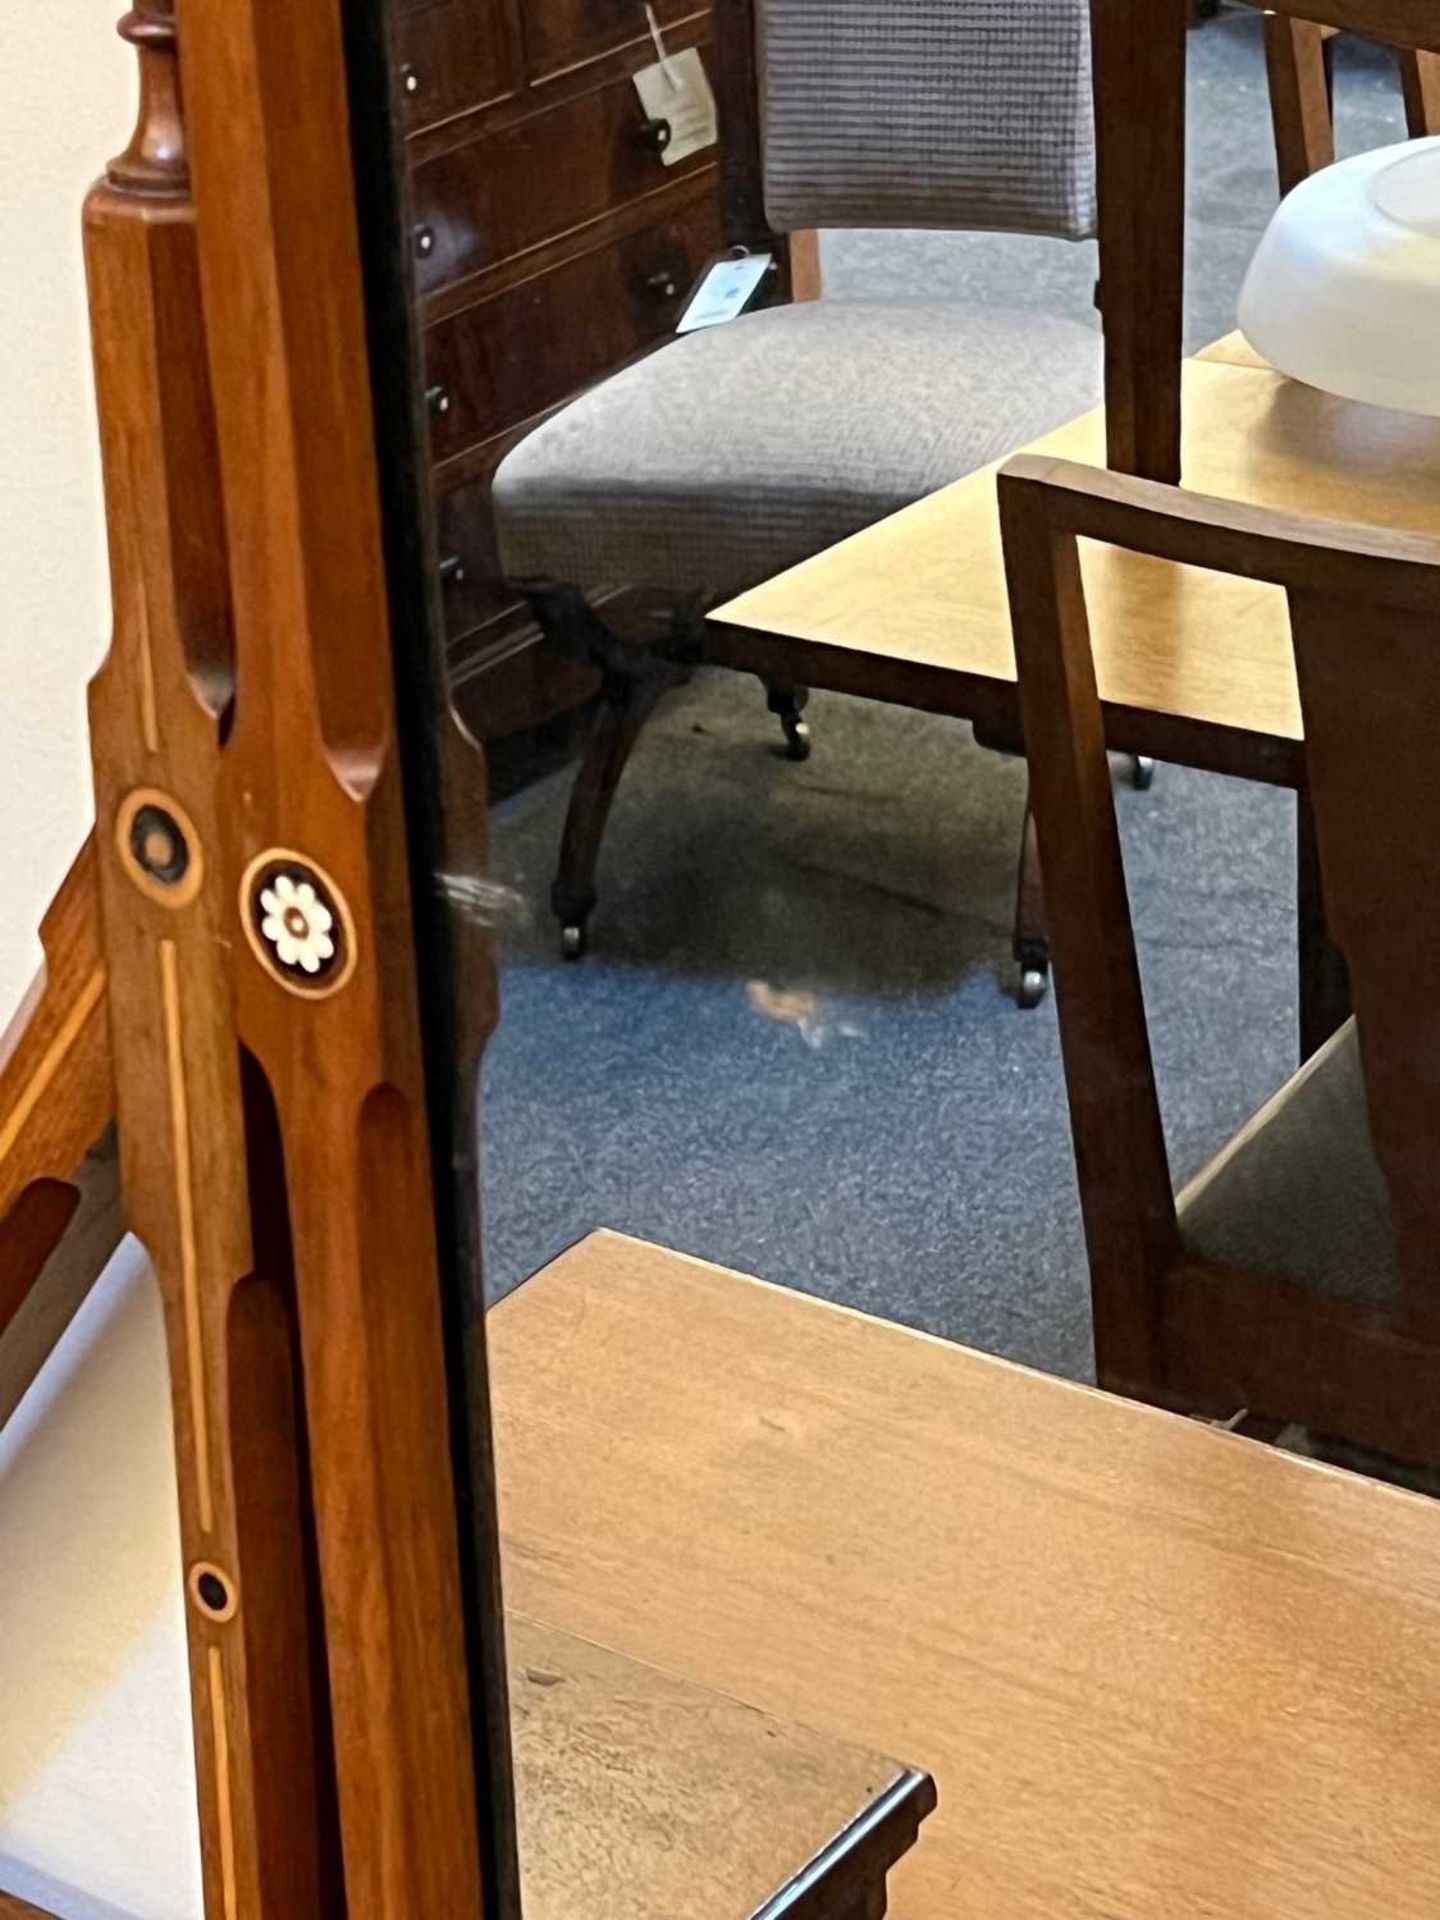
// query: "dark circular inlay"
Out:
[158,845]
[212,1592]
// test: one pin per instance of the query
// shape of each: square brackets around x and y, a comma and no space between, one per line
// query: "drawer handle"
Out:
[665,284]
[656,134]
[438,401]
[452,571]
[424,242]
[409,79]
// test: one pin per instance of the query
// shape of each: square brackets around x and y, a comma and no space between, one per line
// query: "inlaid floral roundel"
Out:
[296,923]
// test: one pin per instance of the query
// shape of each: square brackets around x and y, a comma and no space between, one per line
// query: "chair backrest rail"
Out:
[1294,551]
[1402,23]
[1365,622]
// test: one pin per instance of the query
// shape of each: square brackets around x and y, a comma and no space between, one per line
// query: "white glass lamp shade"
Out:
[1344,289]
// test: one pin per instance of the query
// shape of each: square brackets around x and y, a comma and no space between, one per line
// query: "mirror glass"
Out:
[733,944]
[769,999]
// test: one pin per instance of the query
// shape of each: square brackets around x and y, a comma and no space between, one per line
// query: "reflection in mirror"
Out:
[603,1754]
[762,940]
[676,492]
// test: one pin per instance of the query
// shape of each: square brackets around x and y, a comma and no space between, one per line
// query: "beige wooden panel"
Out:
[928,584]
[1158,1672]
[644,1797]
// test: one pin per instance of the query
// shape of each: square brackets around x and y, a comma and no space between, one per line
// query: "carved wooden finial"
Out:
[154,162]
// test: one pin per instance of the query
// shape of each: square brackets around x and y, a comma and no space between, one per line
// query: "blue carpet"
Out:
[793,1048]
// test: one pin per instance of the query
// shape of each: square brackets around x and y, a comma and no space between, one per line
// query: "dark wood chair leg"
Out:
[1324,978]
[1032,940]
[789,703]
[625,704]
[1420,82]
[1297,60]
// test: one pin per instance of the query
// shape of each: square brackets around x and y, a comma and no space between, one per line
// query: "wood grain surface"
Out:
[56,1086]
[1296,68]
[1401,23]
[927,585]
[1138,57]
[12,1907]
[1364,602]
[1155,1669]
[59,1211]
[310,784]
[54,1244]
[644,1797]
[156,712]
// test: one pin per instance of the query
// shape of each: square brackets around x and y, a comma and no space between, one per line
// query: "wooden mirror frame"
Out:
[232,981]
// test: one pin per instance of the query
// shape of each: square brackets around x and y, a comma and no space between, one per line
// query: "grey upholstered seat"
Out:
[1298,1192]
[730,454]
[737,451]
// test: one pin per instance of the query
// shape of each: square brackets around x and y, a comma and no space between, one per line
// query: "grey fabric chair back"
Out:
[928,113]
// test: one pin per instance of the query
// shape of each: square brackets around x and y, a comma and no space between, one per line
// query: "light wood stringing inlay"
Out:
[221,1735]
[85,1004]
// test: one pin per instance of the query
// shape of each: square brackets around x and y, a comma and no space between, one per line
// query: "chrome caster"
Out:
[1034,983]
[1142,772]
[797,737]
[572,940]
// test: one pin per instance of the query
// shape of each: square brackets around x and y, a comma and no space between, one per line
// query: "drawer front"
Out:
[558,33]
[530,347]
[518,684]
[526,184]
[453,55]
[474,594]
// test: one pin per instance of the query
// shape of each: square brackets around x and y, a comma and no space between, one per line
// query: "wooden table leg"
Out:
[1297,66]
[1324,977]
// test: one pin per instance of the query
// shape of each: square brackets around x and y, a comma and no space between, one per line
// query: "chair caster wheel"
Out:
[797,739]
[1034,983]
[1142,772]
[572,940]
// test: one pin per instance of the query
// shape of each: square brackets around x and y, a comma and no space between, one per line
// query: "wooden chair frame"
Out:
[277,1101]
[1297,62]
[1140,131]
[1140,107]
[1140,85]
[636,675]
[1168,1327]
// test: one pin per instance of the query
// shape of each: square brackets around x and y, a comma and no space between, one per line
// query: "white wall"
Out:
[96,1787]
[62,109]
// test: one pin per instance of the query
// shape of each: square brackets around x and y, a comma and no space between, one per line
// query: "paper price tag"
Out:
[726,290]
[677,90]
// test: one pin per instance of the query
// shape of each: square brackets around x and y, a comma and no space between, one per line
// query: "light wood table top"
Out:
[642,1796]
[1158,1672]
[924,590]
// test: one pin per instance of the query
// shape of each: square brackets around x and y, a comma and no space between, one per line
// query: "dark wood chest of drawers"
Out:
[551,245]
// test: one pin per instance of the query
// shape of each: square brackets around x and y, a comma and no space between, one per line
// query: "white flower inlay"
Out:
[297,924]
